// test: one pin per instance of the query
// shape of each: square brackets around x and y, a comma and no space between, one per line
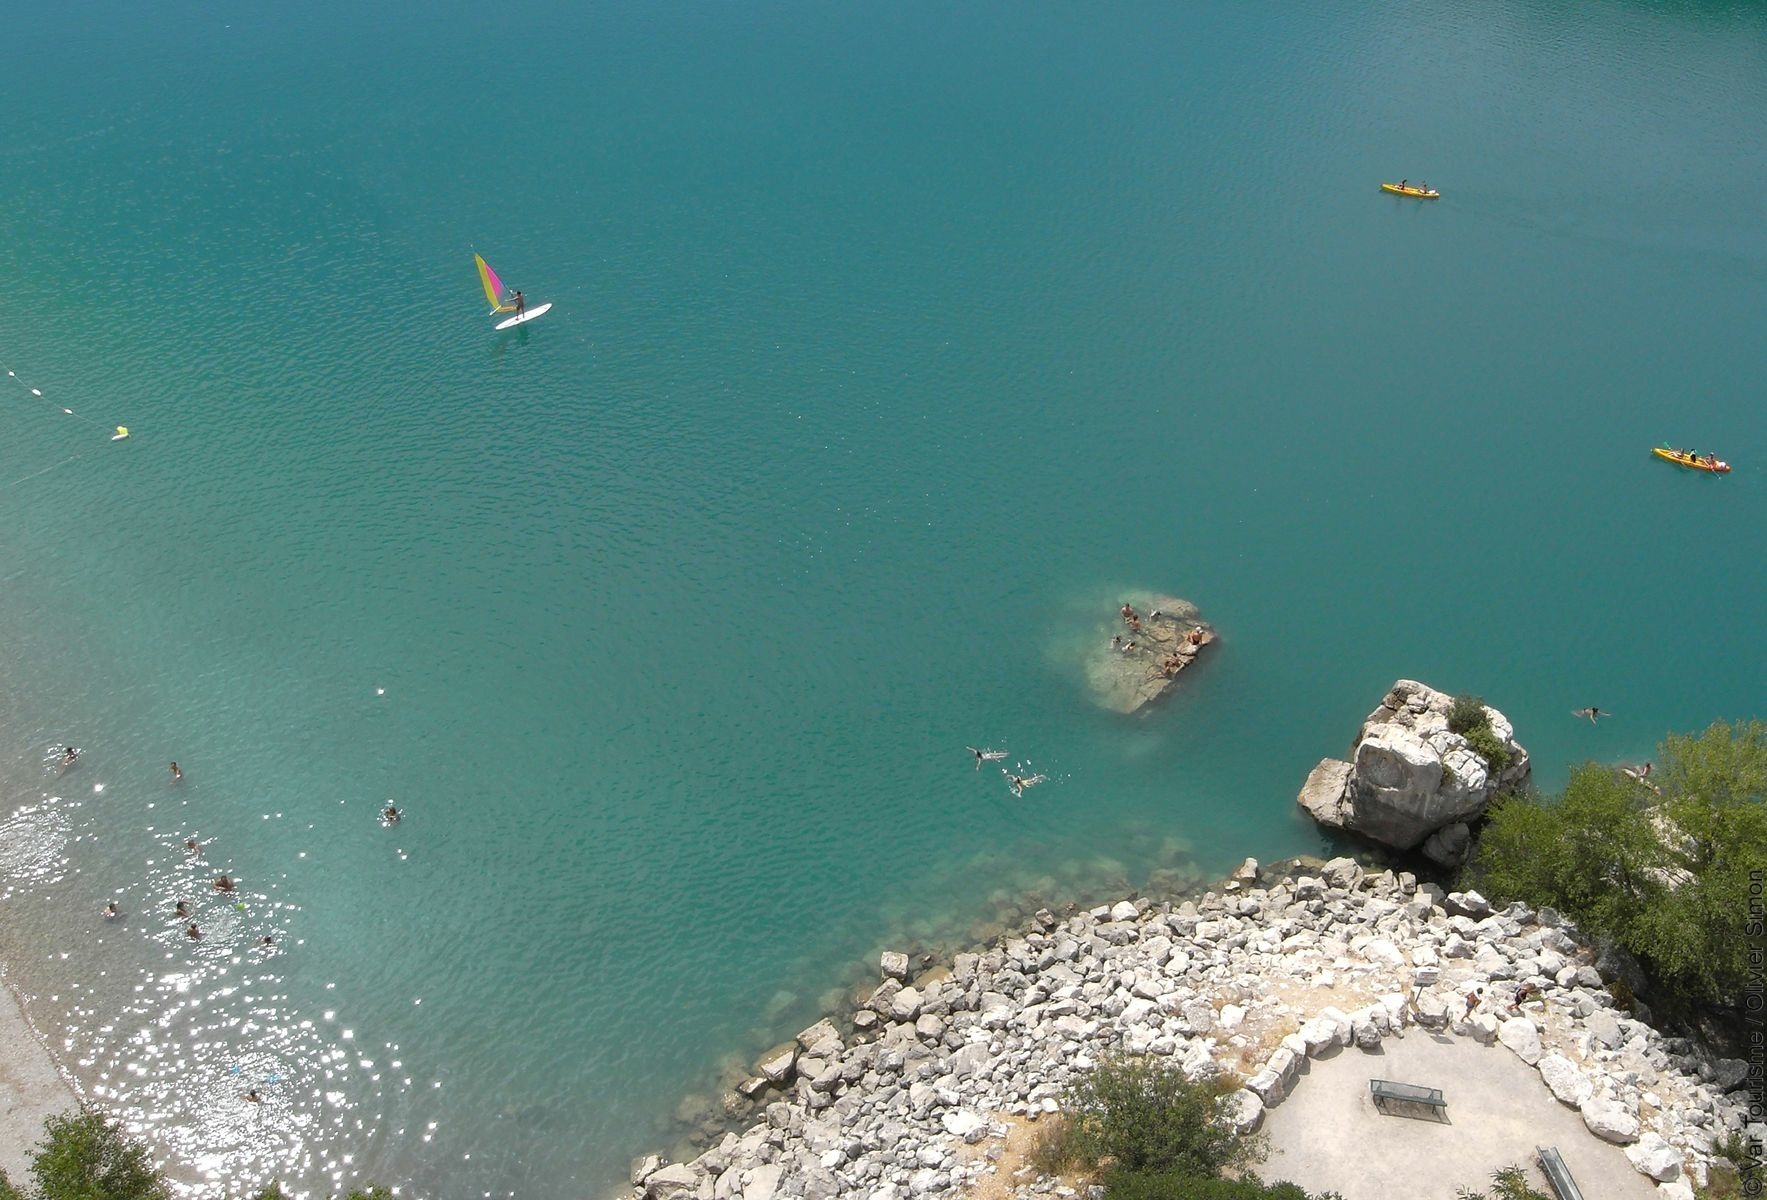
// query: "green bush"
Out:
[1148,1115]
[7,1191]
[1466,714]
[1509,1183]
[1667,882]
[1171,1185]
[1488,746]
[85,1155]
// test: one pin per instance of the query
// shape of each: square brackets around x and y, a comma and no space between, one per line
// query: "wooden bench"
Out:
[1557,1174]
[1385,1092]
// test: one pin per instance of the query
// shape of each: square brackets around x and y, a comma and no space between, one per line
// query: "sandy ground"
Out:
[30,1088]
[1327,1135]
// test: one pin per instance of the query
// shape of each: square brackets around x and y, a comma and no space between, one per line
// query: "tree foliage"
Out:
[1467,713]
[1509,1183]
[1664,876]
[1171,1185]
[1144,1114]
[85,1155]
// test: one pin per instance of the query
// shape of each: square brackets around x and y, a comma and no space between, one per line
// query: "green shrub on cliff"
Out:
[1170,1185]
[1488,746]
[1665,879]
[1141,1114]
[1510,1183]
[7,1191]
[1467,713]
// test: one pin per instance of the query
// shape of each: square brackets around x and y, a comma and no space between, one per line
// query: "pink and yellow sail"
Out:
[493,285]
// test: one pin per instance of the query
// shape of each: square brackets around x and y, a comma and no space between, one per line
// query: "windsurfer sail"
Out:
[493,287]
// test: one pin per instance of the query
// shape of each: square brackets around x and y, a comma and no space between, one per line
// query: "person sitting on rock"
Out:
[1195,636]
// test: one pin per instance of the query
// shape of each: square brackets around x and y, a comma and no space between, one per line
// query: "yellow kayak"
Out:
[1406,190]
[1683,459]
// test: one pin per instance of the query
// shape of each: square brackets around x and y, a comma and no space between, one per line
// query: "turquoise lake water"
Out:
[893,346]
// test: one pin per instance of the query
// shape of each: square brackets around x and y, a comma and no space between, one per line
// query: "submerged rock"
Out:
[1167,635]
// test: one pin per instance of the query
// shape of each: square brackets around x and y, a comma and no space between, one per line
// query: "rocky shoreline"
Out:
[915,1095]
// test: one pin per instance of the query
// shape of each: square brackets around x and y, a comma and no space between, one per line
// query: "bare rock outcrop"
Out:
[1411,780]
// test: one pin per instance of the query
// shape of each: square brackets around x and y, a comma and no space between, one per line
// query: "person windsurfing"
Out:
[521,304]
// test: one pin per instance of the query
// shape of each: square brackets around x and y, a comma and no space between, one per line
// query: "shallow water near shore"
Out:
[890,351]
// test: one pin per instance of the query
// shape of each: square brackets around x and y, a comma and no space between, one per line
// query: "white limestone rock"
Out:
[1610,1121]
[1653,1156]
[1566,1082]
[1245,1110]
[1410,776]
[893,965]
[677,1181]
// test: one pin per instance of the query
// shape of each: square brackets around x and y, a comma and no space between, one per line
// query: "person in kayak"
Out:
[1712,461]
[1402,183]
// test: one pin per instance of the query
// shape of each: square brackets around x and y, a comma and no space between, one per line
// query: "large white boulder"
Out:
[1410,776]
[1567,1082]
[1652,1156]
[1610,1121]
[1520,1035]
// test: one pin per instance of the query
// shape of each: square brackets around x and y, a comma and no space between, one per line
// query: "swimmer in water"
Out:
[1018,783]
[68,756]
[191,846]
[192,932]
[177,775]
[252,1097]
[267,940]
[983,756]
[181,909]
[1594,714]
[225,884]
[390,815]
[111,911]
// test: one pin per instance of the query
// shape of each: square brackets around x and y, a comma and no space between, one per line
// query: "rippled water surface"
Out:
[892,347]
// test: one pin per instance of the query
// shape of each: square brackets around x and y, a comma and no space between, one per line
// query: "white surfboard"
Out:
[533,314]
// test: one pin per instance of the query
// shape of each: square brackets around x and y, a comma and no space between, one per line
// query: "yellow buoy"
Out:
[121,433]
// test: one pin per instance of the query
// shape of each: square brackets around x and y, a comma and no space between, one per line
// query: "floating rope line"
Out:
[122,431]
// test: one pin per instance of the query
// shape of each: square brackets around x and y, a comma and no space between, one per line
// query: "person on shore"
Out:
[192,932]
[111,911]
[1195,636]
[225,884]
[1128,614]
[181,909]
[390,815]
[1472,1002]
[1521,994]
[177,775]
